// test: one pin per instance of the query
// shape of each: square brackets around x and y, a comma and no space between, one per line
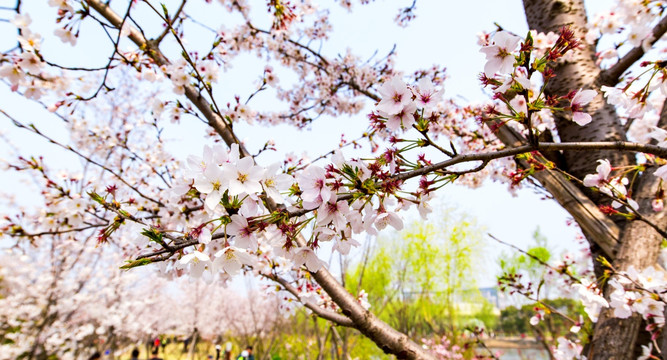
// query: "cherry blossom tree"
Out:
[65,297]
[576,107]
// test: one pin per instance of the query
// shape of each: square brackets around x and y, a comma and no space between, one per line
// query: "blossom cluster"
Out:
[629,20]
[217,215]
[521,65]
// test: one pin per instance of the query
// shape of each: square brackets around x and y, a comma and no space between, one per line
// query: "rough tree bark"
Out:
[639,243]
[580,72]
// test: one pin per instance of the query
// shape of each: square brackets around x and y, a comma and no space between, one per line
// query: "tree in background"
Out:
[422,280]
[529,265]
[64,300]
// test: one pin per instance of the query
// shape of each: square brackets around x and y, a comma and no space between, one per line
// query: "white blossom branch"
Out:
[611,76]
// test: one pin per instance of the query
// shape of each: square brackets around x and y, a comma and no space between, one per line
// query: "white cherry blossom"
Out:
[395,96]
[196,261]
[306,256]
[581,98]
[231,259]
[499,54]
[243,177]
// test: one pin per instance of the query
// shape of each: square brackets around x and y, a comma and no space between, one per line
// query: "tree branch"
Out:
[153,51]
[34,130]
[334,317]
[570,146]
[611,76]
[584,210]
[596,225]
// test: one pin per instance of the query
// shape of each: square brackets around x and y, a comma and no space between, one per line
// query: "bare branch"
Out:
[152,50]
[58,232]
[323,313]
[543,263]
[34,130]
[571,146]
[611,76]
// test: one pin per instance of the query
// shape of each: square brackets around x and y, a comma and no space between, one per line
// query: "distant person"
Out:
[246,354]
[95,356]
[154,354]
[228,351]
[186,342]
[135,354]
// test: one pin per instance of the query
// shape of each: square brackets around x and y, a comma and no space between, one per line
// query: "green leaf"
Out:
[529,39]
[153,235]
[135,263]
[96,197]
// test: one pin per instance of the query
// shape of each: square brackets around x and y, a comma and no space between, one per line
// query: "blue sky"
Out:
[444,33]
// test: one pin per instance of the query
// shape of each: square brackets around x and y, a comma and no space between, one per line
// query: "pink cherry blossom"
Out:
[427,96]
[333,212]
[388,218]
[403,119]
[581,98]
[343,245]
[312,182]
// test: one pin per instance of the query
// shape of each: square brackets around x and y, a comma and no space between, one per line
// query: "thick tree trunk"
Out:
[618,338]
[598,227]
[639,243]
[580,72]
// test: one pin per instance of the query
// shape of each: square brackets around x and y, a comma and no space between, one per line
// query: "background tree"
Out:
[418,280]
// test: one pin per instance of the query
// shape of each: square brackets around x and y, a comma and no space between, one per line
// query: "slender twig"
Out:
[58,232]
[34,130]
[72,68]
[166,30]
[543,263]
[337,318]
[479,341]
[295,43]
[331,152]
